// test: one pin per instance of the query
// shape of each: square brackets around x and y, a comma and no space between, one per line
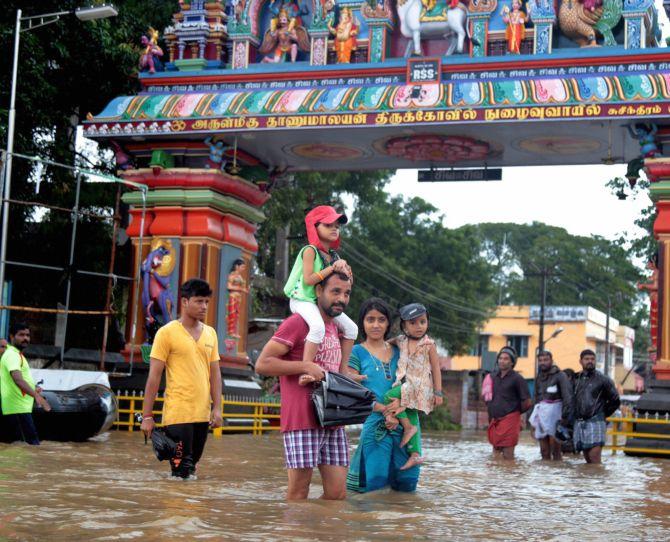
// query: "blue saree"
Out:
[378,458]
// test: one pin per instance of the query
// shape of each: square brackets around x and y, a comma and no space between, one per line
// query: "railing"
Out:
[256,415]
[623,426]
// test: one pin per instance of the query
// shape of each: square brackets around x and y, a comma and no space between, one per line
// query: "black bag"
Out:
[164,447]
[339,400]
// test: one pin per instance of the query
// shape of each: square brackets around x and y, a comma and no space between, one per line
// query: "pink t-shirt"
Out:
[297,411]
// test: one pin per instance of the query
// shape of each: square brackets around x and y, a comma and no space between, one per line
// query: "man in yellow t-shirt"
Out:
[189,352]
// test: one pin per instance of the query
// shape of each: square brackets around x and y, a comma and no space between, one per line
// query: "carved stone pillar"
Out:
[318,47]
[380,25]
[543,16]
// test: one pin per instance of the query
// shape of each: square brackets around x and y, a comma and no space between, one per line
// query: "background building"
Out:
[568,330]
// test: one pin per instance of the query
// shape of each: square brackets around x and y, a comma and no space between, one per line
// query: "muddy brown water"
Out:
[112,488]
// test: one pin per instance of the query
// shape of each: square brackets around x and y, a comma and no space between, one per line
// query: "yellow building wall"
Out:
[511,320]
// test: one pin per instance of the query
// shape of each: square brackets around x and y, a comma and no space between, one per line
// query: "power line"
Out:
[444,297]
[434,322]
[413,292]
[380,271]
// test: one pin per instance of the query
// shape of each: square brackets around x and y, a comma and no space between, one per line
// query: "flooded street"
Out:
[114,488]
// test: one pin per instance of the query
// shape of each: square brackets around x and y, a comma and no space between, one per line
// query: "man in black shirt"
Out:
[596,399]
[553,403]
[510,399]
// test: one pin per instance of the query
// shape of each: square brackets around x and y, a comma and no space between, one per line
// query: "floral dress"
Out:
[415,375]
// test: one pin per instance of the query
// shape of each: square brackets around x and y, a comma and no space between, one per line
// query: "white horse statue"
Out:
[411,26]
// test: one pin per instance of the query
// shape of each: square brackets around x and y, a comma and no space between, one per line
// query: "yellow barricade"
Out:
[256,416]
[623,426]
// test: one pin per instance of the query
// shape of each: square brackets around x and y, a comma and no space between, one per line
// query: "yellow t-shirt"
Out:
[187,362]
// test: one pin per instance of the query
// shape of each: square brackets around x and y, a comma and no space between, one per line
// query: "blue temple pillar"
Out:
[479,15]
[641,24]
[543,15]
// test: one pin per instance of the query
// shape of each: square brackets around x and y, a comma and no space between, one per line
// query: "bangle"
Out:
[438,393]
[319,275]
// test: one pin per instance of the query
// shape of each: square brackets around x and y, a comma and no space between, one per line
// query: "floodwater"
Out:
[113,488]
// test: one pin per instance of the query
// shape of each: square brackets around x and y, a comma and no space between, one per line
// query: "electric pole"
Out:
[607,336]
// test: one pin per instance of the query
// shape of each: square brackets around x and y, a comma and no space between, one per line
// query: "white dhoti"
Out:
[544,418]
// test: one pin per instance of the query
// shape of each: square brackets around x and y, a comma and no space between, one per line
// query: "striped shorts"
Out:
[309,448]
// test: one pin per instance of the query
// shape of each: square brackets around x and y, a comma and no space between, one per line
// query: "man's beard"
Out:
[333,314]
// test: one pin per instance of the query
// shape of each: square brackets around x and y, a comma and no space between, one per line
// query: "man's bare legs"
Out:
[550,448]
[593,455]
[506,452]
[334,479]
[298,484]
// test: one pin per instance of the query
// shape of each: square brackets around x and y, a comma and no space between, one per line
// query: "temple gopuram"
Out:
[235,95]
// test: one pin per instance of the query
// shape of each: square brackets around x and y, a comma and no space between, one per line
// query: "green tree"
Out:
[582,270]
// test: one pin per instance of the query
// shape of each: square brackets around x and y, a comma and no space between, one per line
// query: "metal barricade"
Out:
[625,426]
[240,414]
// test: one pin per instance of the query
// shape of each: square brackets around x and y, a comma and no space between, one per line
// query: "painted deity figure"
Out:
[284,41]
[237,289]
[651,288]
[216,150]
[646,135]
[150,59]
[345,35]
[293,10]
[157,299]
[515,19]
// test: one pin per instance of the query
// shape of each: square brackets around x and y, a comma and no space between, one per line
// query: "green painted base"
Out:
[190,64]
[196,198]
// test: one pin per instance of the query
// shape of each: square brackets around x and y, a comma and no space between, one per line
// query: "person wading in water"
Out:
[510,399]
[307,445]
[553,404]
[596,399]
[189,350]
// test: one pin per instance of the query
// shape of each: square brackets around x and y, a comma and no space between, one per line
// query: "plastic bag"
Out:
[339,400]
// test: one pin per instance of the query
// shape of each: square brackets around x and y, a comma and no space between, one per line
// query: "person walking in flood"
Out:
[307,445]
[189,350]
[553,404]
[17,389]
[418,382]
[510,398]
[596,399]
[379,457]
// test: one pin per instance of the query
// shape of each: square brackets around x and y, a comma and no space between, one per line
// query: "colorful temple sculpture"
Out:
[250,89]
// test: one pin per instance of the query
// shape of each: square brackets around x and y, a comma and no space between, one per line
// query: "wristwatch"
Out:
[438,393]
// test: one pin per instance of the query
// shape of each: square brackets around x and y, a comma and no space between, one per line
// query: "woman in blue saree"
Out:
[378,458]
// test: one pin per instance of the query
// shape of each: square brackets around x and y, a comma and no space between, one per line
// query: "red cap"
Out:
[323,214]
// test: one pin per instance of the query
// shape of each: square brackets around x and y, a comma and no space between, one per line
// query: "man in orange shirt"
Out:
[188,349]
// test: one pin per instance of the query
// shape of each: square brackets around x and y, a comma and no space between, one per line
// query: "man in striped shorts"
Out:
[306,444]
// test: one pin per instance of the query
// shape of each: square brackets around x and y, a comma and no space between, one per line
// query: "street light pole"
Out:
[34,21]
[8,158]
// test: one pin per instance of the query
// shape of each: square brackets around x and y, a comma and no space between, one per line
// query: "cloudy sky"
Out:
[573,197]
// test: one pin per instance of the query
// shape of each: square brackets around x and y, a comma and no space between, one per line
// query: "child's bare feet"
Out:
[414,460]
[304,380]
[408,433]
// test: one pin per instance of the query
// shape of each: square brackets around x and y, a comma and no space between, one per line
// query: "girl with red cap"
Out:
[314,263]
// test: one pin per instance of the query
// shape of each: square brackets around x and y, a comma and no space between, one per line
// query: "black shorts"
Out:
[190,439]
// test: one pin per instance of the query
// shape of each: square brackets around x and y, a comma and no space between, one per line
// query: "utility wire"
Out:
[411,290]
[380,271]
[456,301]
